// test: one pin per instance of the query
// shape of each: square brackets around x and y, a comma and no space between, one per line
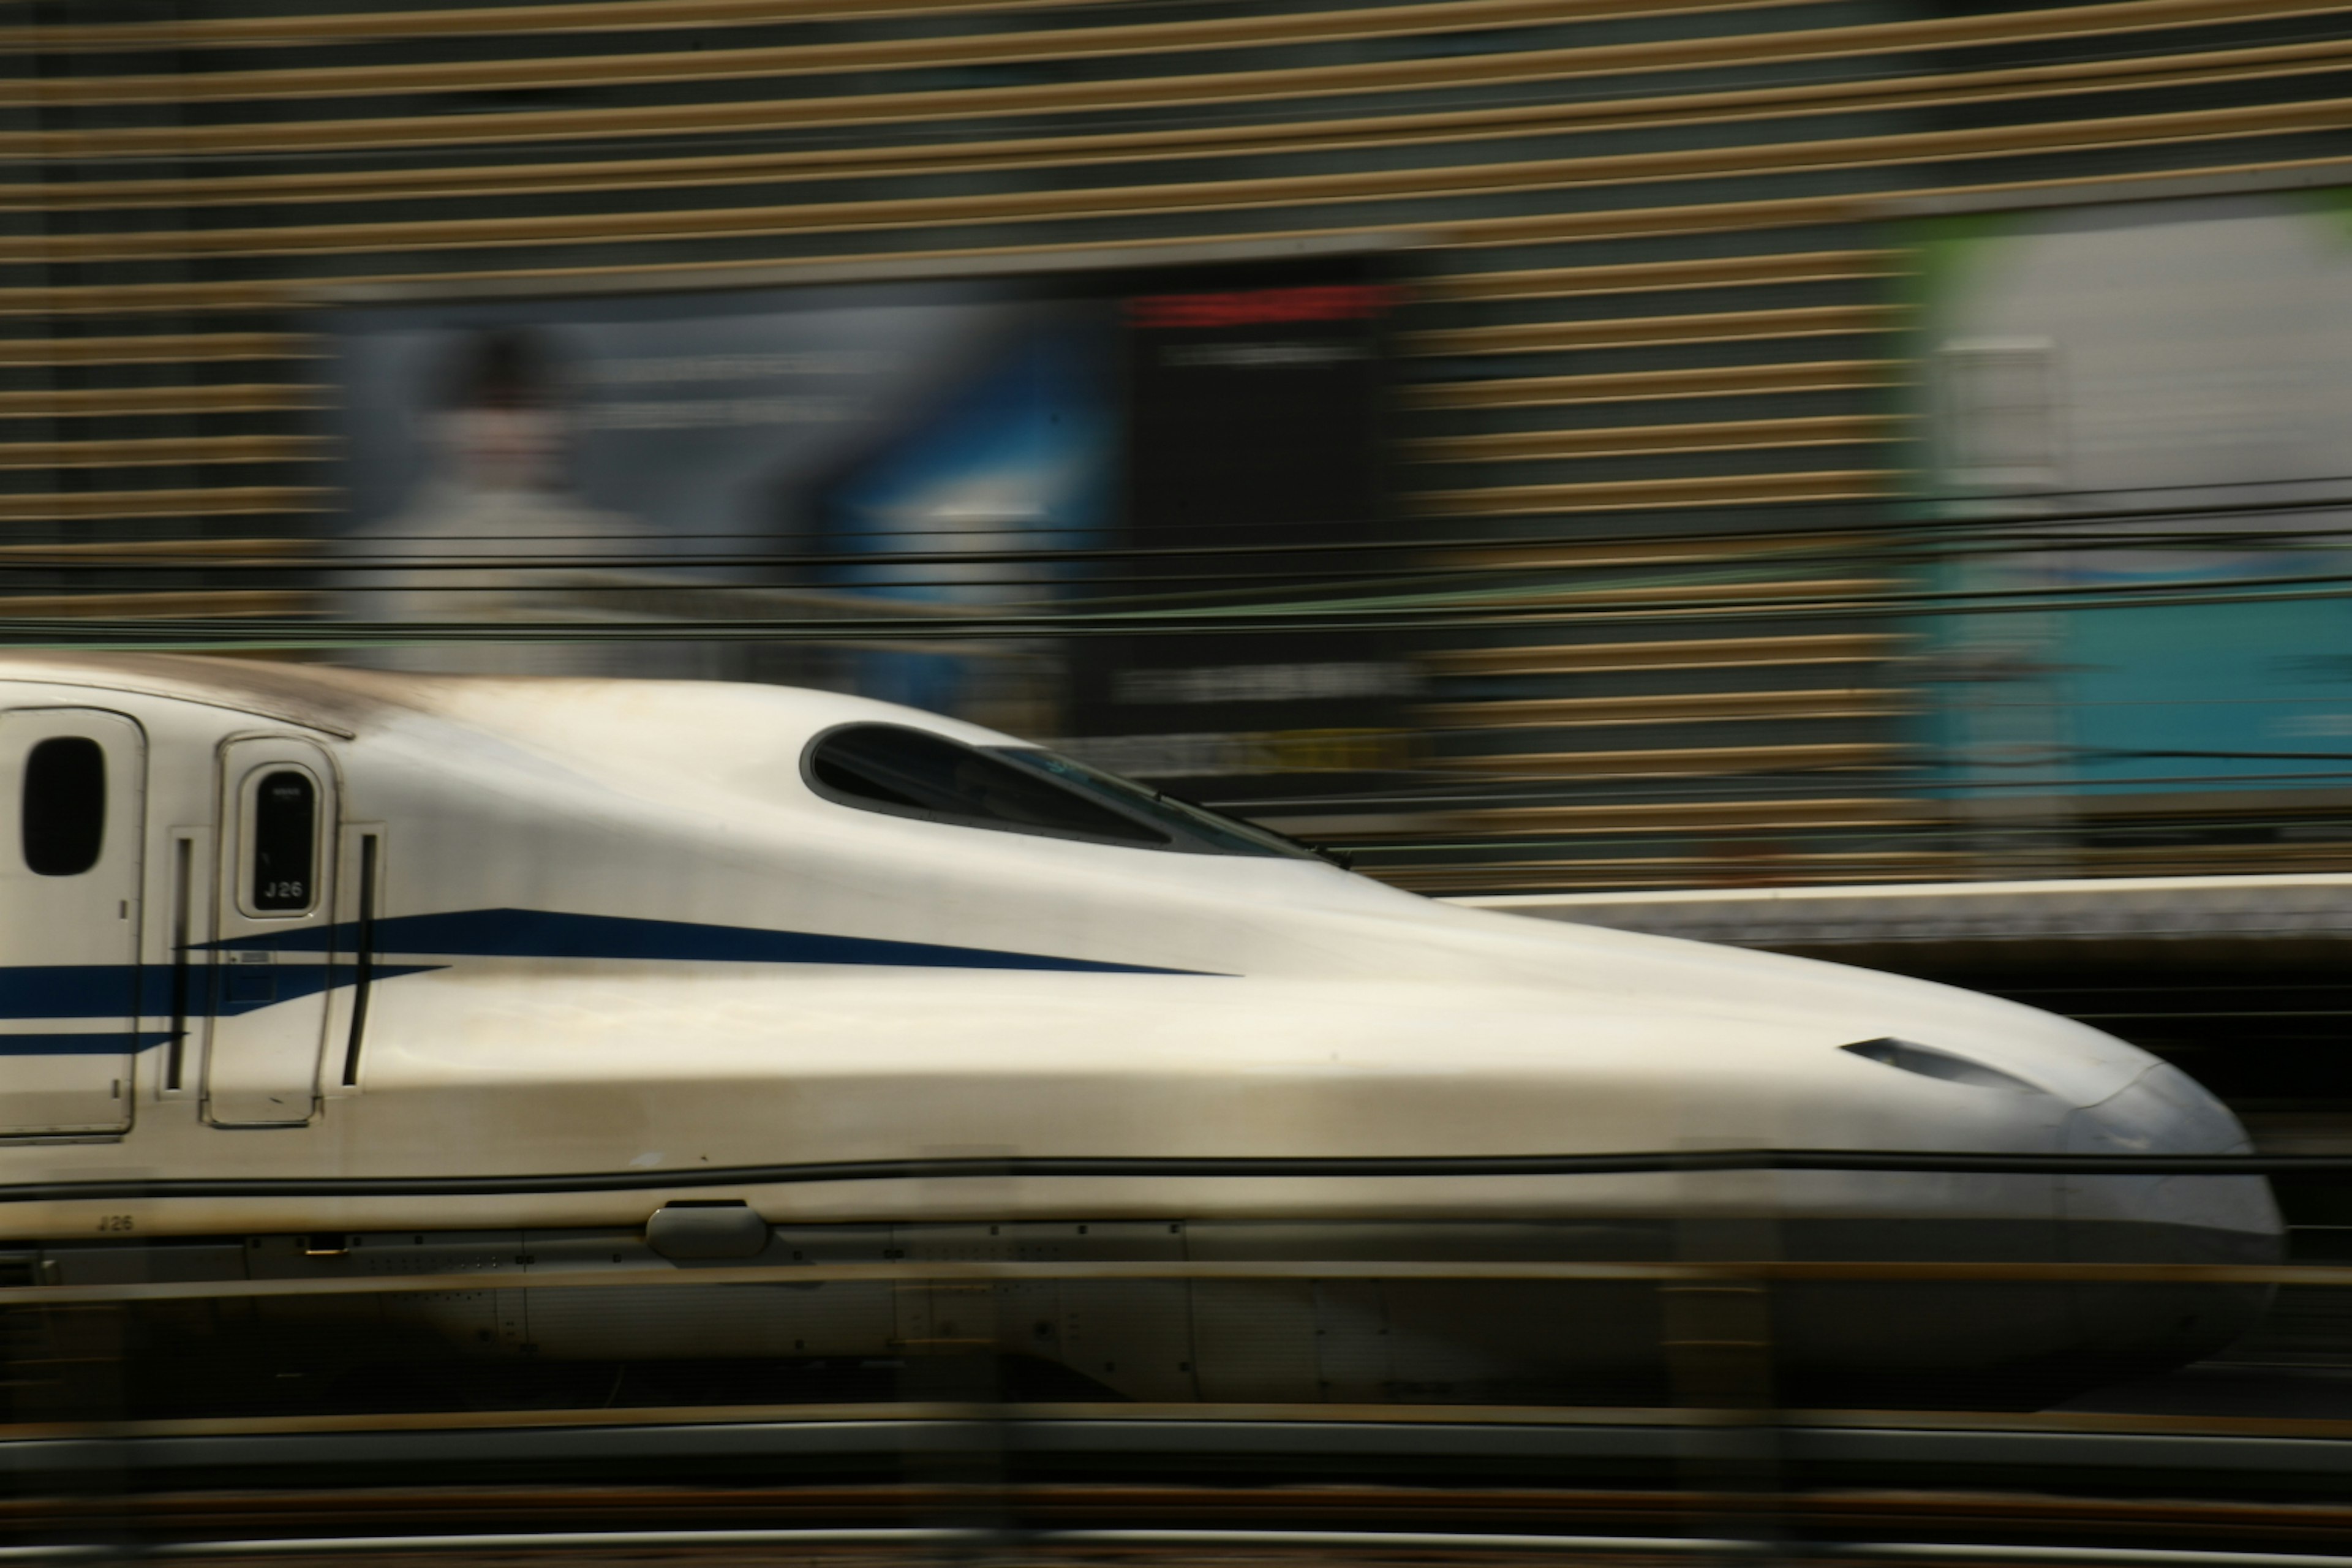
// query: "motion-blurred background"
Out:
[1649,454]
[1862,477]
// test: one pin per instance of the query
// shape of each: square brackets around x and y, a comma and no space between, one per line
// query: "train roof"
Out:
[345,703]
[320,696]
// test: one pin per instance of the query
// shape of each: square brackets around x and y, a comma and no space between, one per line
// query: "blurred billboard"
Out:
[2160,393]
[901,459]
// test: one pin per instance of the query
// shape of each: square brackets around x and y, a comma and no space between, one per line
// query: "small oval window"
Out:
[285,839]
[64,817]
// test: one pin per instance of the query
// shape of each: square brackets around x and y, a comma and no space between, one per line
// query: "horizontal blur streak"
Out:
[1768,483]
[1865,482]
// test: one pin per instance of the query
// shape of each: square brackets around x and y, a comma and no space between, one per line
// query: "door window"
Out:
[282,863]
[62,820]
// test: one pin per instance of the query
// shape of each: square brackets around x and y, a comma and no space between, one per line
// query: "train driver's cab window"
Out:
[282,842]
[912,773]
[909,773]
[62,826]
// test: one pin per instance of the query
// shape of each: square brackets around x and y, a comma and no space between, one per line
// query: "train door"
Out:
[74,783]
[274,933]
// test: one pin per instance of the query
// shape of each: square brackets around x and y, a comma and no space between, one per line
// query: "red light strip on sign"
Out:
[1324,303]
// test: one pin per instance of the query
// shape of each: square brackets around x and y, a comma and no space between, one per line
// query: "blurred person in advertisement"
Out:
[497,490]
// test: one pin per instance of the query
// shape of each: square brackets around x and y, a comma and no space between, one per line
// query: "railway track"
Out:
[2247,1462]
[1034,1511]
[1169,1524]
[829,1463]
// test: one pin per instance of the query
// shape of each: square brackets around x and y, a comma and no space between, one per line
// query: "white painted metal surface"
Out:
[76,935]
[617,931]
[2161,908]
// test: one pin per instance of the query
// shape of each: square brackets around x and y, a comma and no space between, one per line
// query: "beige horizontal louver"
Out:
[1721,867]
[1724,217]
[1847,484]
[1790,596]
[1774,548]
[1700,816]
[1250,28]
[1768,864]
[1736,380]
[158,349]
[150,553]
[1730,326]
[278,294]
[1456,181]
[72,506]
[217,604]
[1754,108]
[1702,652]
[1151,91]
[1759,216]
[1713,272]
[598,16]
[1680,708]
[1669,760]
[252,397]
[1536,446]
[160,449]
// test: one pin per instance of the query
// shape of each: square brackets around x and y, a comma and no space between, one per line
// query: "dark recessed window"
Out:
[1020,789]
[909,773]
[1189,826]
[1929,1062]
[285,838]
[63,818]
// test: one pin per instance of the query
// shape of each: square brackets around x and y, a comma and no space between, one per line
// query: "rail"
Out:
[1419,1541]
[536,1276]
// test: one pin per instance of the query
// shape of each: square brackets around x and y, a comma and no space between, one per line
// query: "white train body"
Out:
[616,932]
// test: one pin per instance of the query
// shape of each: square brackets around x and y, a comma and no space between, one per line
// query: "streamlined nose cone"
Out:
[1947,1071]
[2178,1219]
[2147,1326]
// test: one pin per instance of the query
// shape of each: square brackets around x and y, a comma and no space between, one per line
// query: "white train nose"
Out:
[2145,1325]
[2002,1339]
[2180,1218]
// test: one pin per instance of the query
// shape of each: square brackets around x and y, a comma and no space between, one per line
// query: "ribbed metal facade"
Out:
[1654,353]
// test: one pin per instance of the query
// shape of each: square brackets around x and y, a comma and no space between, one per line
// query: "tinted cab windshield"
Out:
[904,771]
[1192,827]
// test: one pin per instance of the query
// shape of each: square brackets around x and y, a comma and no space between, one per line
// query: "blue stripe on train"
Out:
[105,1042]
[544,933]
[105,990]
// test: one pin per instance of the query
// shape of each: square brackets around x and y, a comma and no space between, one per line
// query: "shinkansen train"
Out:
[320,975]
